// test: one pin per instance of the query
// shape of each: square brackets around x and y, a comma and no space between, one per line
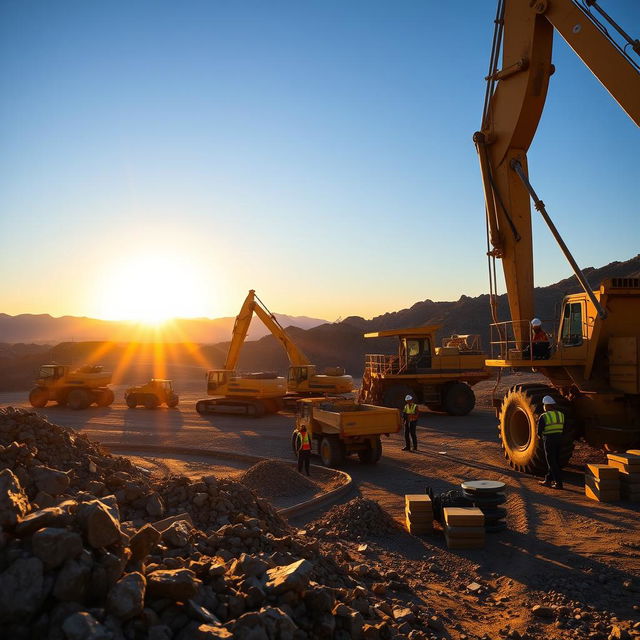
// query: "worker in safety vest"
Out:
[551,429]
[540,341]
[304,452]
[410,418]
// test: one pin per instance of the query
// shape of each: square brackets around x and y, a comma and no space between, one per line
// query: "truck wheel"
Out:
[173,401]
[79,399]
[38,397]
[394,396]
[132,401]
[373,453]
[150,402]
[296,442]
[458,398]
[517,430]
[201,407]
[104,398]
[331,451]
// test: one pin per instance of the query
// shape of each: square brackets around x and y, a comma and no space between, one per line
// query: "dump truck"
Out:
[339,427]
[75,388]
[152,394]
[439,377]
[593,365]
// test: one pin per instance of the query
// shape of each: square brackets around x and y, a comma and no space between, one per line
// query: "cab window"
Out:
[572,324]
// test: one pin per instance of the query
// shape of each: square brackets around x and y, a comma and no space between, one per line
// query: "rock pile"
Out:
[89,550]
[357,519]
[275,479]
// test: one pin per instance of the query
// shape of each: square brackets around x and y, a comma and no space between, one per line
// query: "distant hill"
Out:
[325,344]
[45,329]
[343,344]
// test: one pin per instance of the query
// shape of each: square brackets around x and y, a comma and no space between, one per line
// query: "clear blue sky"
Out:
[319,152]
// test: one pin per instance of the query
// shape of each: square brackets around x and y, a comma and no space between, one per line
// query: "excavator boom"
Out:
[517,85]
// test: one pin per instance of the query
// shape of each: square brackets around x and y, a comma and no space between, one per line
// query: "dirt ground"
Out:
[560,547]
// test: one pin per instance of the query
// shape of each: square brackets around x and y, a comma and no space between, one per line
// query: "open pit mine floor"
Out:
[566,567]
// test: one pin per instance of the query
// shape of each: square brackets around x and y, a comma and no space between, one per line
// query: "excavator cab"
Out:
[300,374]
[216,379]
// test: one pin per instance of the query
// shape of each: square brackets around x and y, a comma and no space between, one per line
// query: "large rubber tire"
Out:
[394,396]
[173,401]
[373,453]
[132,401]
[458,398]
[201,407]
[517,429]
[105,398]
[150,401]
[331,451]
[38,397]
[79,399]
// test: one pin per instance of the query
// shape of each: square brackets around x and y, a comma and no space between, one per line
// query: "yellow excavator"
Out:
[302,379]
[593,369]
[250,394]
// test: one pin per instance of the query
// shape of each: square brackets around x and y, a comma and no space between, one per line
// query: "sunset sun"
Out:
[152,288]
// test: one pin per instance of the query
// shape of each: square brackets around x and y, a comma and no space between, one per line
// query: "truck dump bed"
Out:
[348,418]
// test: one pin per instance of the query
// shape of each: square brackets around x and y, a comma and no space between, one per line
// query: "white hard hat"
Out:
[536,322]
[548,400]
[407,398]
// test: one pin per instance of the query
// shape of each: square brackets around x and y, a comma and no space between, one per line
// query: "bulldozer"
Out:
[152,394]
[593,364]
[439,377]
[73,388]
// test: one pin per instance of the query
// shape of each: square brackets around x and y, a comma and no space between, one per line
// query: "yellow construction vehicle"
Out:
[302,379]
[251,394]
[152,394]
[75,388]
[339,427]
[438,377]
[594,366]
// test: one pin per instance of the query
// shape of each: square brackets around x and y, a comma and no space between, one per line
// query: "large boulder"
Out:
[176,584]
[100,527]
[54,546]
[21,589]
[142,542]
[292,577]
[83,626]
[50,481]
[14,503]
[126,597]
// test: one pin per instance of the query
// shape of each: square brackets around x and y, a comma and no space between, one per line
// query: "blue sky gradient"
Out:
[319,152]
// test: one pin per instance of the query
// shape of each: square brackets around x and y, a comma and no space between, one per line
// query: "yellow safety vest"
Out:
[553,422]
[305,441]
[410,409]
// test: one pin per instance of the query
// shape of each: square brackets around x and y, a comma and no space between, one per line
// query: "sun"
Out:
[151,288]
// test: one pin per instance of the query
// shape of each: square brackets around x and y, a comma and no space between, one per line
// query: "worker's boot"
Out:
[544,483]
[557,485]
[406,449]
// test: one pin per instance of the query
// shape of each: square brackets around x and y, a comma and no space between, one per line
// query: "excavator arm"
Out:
[517,86]
[295,355]
[251,305]
[240,329]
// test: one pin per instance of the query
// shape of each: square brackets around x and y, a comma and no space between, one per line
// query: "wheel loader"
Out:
[152,394]
[75,388]
[593,365]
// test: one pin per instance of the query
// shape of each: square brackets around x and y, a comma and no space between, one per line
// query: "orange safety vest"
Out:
[305,441]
